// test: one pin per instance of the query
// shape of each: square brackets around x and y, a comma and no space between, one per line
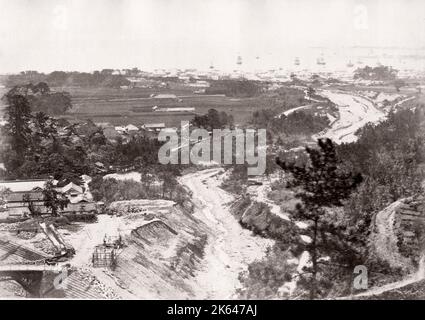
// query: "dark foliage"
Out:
[322,185]
[379,73]
[103,78]
[235,88]
[213,120]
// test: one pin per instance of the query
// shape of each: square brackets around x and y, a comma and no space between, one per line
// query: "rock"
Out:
[26,235]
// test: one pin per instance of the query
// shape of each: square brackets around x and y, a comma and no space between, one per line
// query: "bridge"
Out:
[32,269]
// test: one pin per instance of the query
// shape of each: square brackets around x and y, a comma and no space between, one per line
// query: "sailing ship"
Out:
[321,61]
[239,61]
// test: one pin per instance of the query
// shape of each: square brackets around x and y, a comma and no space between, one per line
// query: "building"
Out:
[13,195]
[128,129]
[23,185]
[19,192]
[71,190]
[100,167]
[120,129]
[131,128]
[153,126]
[16,205]
[199,84]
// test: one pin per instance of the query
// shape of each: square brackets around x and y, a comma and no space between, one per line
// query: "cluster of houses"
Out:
[154,79]
[17,193]
[75,131]
[130,130]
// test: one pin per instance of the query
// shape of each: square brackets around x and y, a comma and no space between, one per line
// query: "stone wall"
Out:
[410,225]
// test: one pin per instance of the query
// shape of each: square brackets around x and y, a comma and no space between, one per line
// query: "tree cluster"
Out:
[103,78]
[36,145]
[378,73]
[321,185]
[213,120]
[235,88]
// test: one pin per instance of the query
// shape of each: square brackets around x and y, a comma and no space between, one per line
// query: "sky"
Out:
[87,35]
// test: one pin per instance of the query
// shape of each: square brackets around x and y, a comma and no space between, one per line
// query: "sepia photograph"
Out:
[212,150]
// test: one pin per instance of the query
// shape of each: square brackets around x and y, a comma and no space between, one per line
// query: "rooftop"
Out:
[23,185]
[154,125]
[131,127]
[71,186]
[19,196]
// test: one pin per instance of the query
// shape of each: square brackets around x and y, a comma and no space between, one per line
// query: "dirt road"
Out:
[230,248]
[90,236]
[384,241]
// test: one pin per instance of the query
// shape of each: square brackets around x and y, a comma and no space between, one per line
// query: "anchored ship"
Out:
[321,61]
[239,61]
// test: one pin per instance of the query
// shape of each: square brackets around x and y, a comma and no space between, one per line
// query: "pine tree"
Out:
[321,184]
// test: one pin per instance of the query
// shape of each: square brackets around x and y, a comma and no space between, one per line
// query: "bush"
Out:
[265,278]
[110,190]
[80,217]
[379,73]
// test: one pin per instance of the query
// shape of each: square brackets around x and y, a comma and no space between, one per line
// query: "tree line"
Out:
[104,78]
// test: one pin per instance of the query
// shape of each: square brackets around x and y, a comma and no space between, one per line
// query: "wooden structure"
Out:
[104,257]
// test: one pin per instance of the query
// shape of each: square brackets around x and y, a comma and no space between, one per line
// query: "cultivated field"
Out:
[119,107]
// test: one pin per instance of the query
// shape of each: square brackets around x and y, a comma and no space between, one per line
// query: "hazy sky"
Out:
[49,35]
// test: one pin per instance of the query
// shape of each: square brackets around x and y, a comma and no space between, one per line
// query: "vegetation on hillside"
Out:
[165,186]
[265,278]
[390,157]
[298,125]
[39,98]
[35,145]
[320,185]
[212,120]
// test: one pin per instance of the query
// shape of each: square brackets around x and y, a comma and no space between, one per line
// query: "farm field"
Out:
[120,107]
